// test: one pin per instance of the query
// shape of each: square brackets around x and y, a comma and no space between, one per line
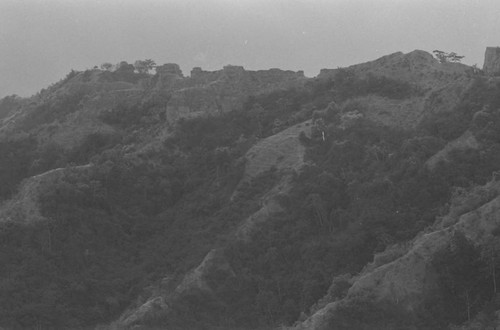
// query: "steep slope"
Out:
[113,120]
[230,199]
[409,281]
[282,153]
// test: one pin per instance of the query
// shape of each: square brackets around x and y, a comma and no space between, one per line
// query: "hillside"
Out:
[240,199]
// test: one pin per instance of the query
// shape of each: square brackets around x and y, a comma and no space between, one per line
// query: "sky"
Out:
[43,40]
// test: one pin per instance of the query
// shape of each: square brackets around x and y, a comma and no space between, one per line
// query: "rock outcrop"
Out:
[491,64]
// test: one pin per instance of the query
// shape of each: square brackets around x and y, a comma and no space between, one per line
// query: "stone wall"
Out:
[209,92]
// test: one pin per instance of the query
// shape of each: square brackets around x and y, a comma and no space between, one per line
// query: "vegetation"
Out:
[8,104]
[106,66]
[51,110]
[447,57]
[144,66]
[133,218]
[17,155]
[463,281]
[364,312]
[348,85]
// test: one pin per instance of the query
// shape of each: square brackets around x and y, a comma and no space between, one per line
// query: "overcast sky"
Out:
[42,40]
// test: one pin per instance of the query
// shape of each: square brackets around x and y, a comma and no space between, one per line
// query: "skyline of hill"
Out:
[43,40]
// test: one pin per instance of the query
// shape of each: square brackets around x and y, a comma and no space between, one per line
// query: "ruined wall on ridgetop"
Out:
[236,73]
[220,91]
[231,76]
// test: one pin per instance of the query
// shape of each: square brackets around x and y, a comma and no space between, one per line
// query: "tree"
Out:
[453,57]
[144,66]
[106,66]
[319,208]
[461,277]
[440,55]
[444,57]
[150,64]
[123,66]
[490,255]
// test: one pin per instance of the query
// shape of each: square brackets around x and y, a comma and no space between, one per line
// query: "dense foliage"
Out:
[349,85]
[449,125]
[50,110]
[130,219]
[17,155]
[123,224]
[464,281]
